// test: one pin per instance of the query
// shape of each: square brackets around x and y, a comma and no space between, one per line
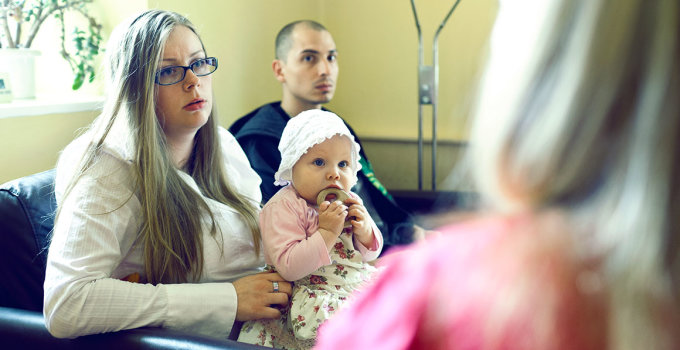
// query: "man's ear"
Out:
[277,67]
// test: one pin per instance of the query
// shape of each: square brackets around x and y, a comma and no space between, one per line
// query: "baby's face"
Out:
[325,165]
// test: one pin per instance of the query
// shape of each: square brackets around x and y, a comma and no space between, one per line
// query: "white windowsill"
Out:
[44,105]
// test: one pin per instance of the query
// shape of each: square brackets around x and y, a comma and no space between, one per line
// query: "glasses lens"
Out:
[204,66]
[170,75]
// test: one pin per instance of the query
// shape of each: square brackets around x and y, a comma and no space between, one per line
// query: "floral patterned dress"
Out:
[315,298]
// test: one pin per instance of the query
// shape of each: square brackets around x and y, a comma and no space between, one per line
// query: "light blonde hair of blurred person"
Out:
[169,204]
[581,115]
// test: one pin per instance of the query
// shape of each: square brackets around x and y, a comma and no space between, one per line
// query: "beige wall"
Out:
[378,47]
[377,44]
[378,57]
[31,144]
[377,89]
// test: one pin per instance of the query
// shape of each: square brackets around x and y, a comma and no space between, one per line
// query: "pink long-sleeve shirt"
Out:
[494,283]
[291,239]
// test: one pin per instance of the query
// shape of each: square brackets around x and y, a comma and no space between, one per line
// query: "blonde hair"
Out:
[578,110]
[172,211]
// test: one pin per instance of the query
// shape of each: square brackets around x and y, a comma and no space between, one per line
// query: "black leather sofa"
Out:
[27,207]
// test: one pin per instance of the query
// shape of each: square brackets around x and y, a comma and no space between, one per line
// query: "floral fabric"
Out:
[315,299]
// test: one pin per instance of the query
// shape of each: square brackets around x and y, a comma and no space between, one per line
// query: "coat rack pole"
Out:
[428,89]
[420,105]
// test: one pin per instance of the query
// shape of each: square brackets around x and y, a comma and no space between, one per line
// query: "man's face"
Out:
[310,70]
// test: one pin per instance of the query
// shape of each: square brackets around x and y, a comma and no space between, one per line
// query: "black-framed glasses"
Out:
[174,74]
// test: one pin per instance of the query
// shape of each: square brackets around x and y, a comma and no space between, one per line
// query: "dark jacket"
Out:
[259,133]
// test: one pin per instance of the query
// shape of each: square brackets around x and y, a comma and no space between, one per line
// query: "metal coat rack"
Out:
[428,86]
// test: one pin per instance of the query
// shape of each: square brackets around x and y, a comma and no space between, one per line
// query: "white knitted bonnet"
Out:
[304,131]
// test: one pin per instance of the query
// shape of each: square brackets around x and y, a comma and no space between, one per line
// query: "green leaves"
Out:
[86,43]
[78,81]
[29,15]
[87,48]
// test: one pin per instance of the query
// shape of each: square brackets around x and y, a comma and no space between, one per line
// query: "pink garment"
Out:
[291,240]
[486,284]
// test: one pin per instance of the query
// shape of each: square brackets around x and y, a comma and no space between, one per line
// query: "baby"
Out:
[315,231]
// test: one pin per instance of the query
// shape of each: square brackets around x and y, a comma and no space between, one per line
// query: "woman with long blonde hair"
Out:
[574,149]
[155,192]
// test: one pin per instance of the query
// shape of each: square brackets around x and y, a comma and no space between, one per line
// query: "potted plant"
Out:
[20,21]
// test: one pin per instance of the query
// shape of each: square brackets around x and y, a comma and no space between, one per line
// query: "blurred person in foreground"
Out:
[574,149]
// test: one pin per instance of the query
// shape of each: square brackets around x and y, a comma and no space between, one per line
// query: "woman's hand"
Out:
[256,296]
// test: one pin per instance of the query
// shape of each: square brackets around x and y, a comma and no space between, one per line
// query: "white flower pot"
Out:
[20,65]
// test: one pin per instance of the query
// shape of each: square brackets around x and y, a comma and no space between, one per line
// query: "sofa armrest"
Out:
[26,329]
[27,208]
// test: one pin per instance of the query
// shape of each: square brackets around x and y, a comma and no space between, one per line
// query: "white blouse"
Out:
[93,247]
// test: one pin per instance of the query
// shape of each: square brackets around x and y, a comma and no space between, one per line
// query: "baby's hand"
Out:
[332,217]
[362,224]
